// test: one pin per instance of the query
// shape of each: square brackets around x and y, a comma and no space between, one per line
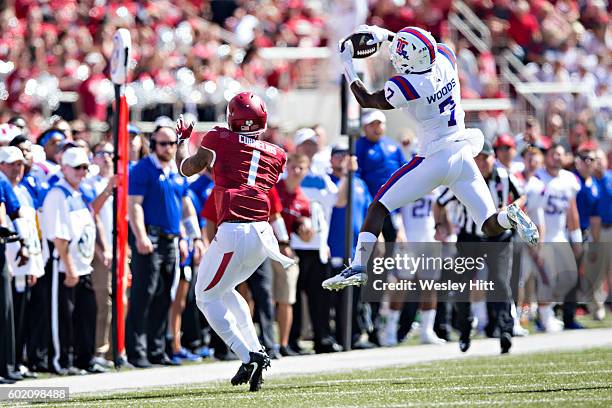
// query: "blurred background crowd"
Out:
[192,56]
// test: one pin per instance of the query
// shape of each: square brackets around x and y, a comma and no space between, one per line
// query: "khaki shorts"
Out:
[284,283]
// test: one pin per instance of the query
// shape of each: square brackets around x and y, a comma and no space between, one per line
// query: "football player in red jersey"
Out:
[244,169]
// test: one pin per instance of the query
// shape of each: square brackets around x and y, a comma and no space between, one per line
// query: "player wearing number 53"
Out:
[426,89]
[244,169]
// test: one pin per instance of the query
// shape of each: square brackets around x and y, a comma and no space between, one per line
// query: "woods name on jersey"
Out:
[442,92]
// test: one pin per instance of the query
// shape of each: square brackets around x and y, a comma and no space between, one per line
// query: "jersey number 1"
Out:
[449,102]
[253,168]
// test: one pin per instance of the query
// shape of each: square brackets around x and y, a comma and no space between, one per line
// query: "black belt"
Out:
[606,226]
[159,232]
[239,221]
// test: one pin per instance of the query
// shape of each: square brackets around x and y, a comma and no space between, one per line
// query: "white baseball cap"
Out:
[11,154]
[303,135]
[74,157]
[373,116]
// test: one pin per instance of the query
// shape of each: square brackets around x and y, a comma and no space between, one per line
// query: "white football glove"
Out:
[380,34]
[345,46]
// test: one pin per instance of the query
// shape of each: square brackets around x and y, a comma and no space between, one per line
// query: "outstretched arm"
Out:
[190,165]
[365,98]
[369,99]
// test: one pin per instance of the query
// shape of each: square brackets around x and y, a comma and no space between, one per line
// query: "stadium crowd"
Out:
[57,184]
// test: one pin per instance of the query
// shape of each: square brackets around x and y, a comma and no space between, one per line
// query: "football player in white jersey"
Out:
[427,90]
[529,261]
[559,273]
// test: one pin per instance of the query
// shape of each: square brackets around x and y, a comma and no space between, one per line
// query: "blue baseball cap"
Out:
[48,135]
[133,129]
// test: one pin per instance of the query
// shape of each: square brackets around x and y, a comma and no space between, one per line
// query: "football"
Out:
[360,47]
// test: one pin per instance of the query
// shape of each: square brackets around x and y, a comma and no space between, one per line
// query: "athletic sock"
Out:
[515,315]
[428,317]
[240,309]
[393,318]
[479,309]
[365,246]
[502,219]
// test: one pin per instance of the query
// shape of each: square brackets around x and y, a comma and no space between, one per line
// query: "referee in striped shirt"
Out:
[498,257]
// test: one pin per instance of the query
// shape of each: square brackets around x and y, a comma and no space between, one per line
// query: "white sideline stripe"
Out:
[137,380]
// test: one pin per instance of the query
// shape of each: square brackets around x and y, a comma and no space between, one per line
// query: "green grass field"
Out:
[576,379]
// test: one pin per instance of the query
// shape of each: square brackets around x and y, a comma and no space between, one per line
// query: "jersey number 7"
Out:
[449,102]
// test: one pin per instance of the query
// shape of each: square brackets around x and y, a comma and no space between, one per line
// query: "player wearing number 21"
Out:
[244,169]
[426,89]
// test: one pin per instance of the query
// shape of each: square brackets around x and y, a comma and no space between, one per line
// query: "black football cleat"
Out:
[505,342]
[464,342]
[252,372]
[243,375]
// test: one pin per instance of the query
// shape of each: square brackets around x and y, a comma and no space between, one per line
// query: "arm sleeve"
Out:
[399,92]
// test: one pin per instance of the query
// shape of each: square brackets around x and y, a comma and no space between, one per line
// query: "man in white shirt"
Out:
[12,163]
[69,235]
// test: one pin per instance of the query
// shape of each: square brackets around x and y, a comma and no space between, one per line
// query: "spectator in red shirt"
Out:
[524,27]
[89,91]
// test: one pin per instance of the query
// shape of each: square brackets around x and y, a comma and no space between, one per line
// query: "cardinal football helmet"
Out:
[247,113]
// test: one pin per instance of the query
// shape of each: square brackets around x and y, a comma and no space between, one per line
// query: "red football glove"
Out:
[183,132]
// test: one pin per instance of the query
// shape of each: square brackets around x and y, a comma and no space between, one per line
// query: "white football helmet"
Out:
[413,50]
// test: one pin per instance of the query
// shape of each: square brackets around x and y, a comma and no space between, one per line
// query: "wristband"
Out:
[280,230]
[576,236]
[192,227]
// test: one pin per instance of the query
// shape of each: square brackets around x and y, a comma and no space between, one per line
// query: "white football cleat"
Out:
[430,337]
[521,223]
[350,276]
[552,325]
[519,331]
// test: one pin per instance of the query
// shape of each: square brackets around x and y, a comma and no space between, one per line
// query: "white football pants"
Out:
[452,166]
[232,257]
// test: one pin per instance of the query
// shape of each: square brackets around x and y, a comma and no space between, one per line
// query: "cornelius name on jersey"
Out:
[442,92]
[257,144]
